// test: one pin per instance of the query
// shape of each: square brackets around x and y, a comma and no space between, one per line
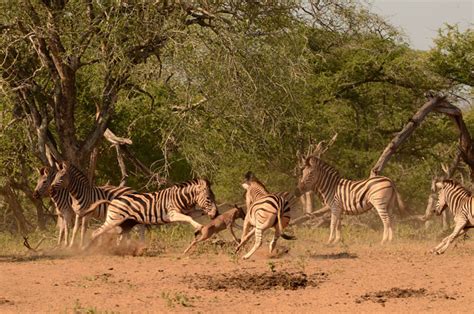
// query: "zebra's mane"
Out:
[251,178]
[324,165]
[191,182]
[78,173]
[458,186]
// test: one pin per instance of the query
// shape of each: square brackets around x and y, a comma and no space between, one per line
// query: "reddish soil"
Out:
[360,278]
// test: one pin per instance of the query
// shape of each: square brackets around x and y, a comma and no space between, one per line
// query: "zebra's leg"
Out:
[335,213]
[66,231]
[106,227]
[175,216]
[85,222]
[60,230]
[390,229]
[74,231]
[443,246]
[386,221]
[275,239]
[258,243]
[338,229]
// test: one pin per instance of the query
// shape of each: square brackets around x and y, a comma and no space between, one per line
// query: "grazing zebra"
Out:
[61,199]
[348,196]
[161,207]
[461,203]
[264,210]
[84,194]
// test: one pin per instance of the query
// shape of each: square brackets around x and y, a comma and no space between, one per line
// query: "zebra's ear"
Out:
[439,184]
[245,185]
[310,161]
[43,171]
[249,176]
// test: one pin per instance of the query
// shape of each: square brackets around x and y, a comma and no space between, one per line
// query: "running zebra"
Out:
[461,203]
[84,195]
[348,196]
[264,210]
[61,199]
[161,207]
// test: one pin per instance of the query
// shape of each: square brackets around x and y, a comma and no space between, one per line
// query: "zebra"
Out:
[264,210]
[348,196]
[461,203]
[61,199]
[168,205]
[84,194]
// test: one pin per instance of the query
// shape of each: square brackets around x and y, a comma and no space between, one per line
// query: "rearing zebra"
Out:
[349,197]
[461,203]
[264,210]
[161,207]
[84,195]
[61,199]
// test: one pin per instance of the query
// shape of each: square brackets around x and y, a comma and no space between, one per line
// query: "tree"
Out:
[68,62]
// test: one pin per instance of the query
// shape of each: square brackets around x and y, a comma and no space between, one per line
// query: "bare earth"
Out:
[360,278]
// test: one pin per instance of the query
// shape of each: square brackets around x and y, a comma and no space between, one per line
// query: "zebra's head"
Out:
[253,188]
[441,203]
[205,199]
[45,179]
[61,179]
[308,175]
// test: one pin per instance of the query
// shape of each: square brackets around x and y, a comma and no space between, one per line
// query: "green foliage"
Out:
[243,90]
[453,55]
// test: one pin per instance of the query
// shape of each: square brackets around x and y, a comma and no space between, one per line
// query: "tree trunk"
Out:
[441,105]
[15,207]
[93,164]
[40,215]
[123,167]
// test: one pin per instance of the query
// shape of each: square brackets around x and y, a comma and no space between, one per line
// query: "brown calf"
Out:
[221,222]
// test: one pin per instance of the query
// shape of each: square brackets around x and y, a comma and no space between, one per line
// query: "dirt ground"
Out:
[358,278]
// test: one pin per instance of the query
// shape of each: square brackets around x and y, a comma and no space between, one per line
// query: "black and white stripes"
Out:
[61,199]
[264,210]
[461,203]
[84,194]
[164,206]
[348,196]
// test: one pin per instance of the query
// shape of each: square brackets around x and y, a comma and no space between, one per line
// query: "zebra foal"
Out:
[264,210]
[348,196]
[461,203]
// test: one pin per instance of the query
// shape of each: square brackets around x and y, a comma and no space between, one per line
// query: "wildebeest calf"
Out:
[221,222]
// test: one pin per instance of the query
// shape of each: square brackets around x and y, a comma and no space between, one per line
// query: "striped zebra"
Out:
[169,205]
[84,195]
[61,199]
[264,210]
[348,196]
[461,203]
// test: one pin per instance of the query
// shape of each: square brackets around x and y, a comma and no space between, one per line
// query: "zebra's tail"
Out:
[93,207]
[289,200]
[402,208]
